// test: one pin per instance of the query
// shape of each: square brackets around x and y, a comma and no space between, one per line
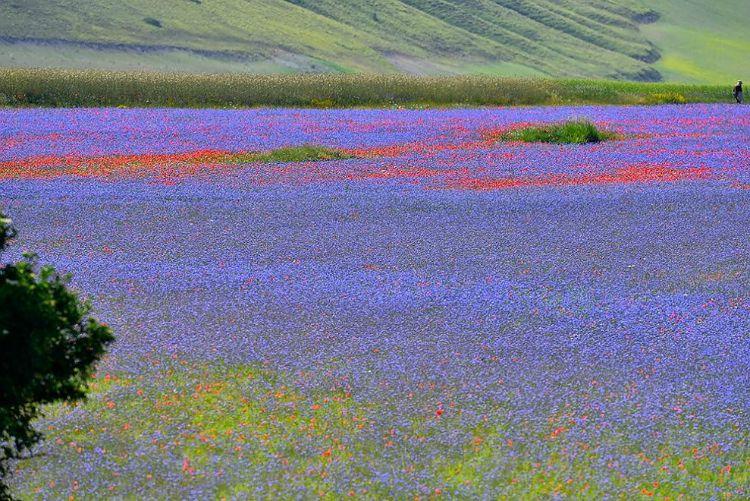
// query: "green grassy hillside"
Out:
[621,39]
[702,48]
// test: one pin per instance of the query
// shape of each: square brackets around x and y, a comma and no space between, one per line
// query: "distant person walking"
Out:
[737,93]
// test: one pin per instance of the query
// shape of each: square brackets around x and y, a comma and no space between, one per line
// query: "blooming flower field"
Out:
[441,315]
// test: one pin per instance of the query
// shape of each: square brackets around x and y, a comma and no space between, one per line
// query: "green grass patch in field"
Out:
[291,154]
[572,132]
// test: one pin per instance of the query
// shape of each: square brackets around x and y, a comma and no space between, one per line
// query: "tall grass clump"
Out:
[80,88]
[572,132]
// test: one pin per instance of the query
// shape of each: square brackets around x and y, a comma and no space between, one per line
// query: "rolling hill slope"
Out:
[623,39]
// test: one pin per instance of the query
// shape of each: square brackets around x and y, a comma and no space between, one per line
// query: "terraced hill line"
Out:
[685,40]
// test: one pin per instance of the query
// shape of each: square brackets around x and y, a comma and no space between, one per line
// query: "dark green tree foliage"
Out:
[48,348]
[7,232]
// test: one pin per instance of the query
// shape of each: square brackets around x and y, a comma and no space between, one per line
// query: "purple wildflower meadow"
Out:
[443,314]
